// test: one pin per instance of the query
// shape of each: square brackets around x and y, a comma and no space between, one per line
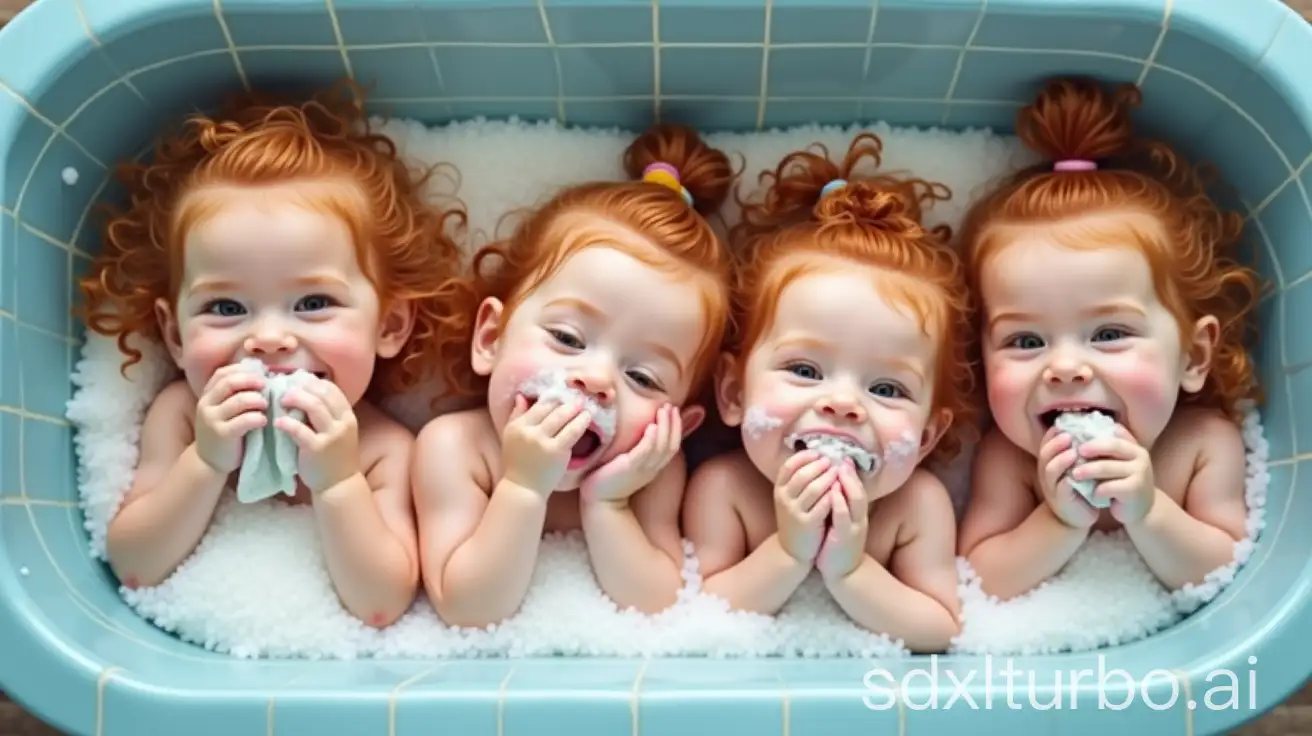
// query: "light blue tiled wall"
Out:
[84,83]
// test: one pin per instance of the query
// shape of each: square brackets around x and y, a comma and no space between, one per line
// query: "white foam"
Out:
[552,384]
[757,421]
[220,596]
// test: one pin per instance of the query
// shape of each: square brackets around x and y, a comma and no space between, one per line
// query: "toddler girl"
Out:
[1106,285]
[591,329]
[847,371]
[287,238]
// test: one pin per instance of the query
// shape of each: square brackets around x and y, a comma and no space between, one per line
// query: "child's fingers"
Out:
[241,403]
[301,434]
[1102,470]
[793,464]
[560,417]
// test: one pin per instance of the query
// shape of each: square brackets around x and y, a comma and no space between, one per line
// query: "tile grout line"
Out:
[232,47]
[656,59]
[1157,45]
[870,52]
[961,62]
[764,99]
[337,36]
[555,59]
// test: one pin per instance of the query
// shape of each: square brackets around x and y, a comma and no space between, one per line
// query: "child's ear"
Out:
[487,334]
[1201,352]
[692,417]
[729,391]
[169,329]
[394,328]
[934,430]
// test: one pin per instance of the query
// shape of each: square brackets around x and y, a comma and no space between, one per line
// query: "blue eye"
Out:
[566,339]
[804,370]
[1028,341]
[1109,334]
[314,303]
[224,308]
[887,390]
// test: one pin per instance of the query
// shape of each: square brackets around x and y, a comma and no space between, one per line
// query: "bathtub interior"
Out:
[86,83]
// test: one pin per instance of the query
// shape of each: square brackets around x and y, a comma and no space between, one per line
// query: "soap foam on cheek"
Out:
[551,383]
[757,421]
[903,449]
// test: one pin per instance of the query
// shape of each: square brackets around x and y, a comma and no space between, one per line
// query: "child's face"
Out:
[614,328]
[270,279]
[1068,328]
[839,359]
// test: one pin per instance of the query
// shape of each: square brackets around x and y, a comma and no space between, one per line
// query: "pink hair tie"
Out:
[1074,164]
[661,166]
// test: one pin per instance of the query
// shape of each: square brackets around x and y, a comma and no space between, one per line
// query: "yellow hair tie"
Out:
[667,176]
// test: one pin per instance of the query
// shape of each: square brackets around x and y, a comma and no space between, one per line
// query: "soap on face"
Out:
[1085,426]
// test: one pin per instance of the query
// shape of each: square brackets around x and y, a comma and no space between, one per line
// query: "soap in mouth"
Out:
[1084,426]
[835,448]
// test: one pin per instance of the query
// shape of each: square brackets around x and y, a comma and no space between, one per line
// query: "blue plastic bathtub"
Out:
[85,83]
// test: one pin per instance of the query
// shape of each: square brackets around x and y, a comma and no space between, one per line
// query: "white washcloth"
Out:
[269,460]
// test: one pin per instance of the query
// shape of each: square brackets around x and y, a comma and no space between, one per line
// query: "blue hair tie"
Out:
[831,186]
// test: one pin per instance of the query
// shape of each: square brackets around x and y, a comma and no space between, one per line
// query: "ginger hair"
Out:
[259,140]
[874,222]
[680,238]
[1142,195]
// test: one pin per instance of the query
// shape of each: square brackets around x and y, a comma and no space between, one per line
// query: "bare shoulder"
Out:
[175,401]
[457,443]
[922,500]
[726,479]
[1202,431]
[1000,453]
[381,436]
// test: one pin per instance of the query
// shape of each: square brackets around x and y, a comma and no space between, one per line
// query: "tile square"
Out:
[1187,119]
[11,454]
[48,461]
[134,121]
[292,68]
[429,112]
[27,136]
[168,38]
[8,263]
[1298,339]
[397,72]
[44,373]
[1249,27]
[816,72]
[790,113]
[81,267]
[506,21]
[999,117]
[600,21]
[1285,66]
[630,115]
[1271,109]
[189,84]
[50,205]
[286,23]
[694,21]
[712,116]
[11,388]
[529,110]
[1286,222]
[1278,418]
[1300,387]
[905,72]
[1185,53]
[127,706]
[497,72]
[672,697]
[911,23]
[1017,75]
[465,694]
[381,22]
[546,696]
[824,24]
[1106,34]
[737,72]
[607,72]
[58,68]
[41,291]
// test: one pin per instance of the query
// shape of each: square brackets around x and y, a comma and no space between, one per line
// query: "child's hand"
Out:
[1124,471]
[1055,458]
[536,443]
[845,543]
[230,406]
[328,439]
[802,502]
[630,472]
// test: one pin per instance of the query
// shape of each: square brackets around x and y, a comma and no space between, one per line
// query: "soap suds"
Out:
[757,421]
[1084,427]
[837,449]
[902,449]
[552,384]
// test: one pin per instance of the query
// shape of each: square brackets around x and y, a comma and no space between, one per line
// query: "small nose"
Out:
[269,336]
[842,406]
[1067,366]
[594,381]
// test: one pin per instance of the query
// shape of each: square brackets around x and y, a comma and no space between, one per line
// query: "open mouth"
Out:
[1049,418]
[834,447]
[583,451]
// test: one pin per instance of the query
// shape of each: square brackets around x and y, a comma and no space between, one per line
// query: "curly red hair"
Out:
[873,221]
[682,238]
[1188,240]
[402,243]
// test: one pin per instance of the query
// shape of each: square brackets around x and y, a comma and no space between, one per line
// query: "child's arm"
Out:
[172,499]
[477,550]
[634,544]
[1013,542]
[915,598]
[762,581]
[1182,544]
[366,524]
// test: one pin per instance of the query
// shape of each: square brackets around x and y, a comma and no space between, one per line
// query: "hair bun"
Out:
[1078,118]
[879,204]
[704,172]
